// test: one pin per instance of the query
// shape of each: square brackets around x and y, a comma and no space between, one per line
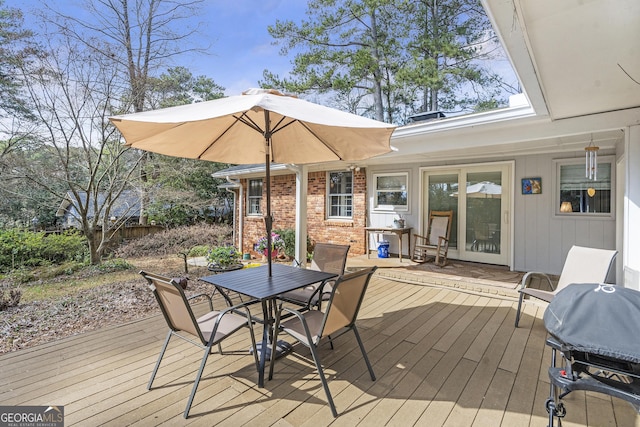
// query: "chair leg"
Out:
[207,350]
[364,353]
[519,308]
[316,359]
[155,370]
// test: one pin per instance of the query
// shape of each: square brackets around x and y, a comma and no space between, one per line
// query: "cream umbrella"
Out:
[483,190]
[259,125]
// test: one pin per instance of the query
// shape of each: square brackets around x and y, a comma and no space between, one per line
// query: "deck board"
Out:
[441,357]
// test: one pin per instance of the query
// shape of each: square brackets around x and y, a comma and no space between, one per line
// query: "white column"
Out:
[631,232]
[302,180]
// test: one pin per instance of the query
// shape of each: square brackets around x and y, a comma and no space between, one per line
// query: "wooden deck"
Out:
[441,356]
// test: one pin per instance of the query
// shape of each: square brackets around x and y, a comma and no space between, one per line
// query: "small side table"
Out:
[399,232]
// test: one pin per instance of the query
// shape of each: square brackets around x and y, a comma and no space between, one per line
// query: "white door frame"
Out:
[508,211]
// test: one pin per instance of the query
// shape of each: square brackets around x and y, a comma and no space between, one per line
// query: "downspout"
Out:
[231,186]
[237,218]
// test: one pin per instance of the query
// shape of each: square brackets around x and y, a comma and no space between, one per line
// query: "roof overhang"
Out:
[578,62]
[574,58]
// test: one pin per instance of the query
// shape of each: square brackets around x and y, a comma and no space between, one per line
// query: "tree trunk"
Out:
[377,74]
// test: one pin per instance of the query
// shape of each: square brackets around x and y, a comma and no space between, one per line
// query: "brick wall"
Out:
[320,229]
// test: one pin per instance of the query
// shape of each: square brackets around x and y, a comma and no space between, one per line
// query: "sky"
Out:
[241,45]
[236,31]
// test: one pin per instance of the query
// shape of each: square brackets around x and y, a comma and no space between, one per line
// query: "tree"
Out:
[178,87]
[140,36]
[344,50]
[390,58]
[78,82]
[76,152]
[16,49]
[185,192]
[452,40]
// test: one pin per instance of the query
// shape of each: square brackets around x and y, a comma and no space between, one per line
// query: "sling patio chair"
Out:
[582,265]
[204,331]
[436,243]
[327,257]
[339,317]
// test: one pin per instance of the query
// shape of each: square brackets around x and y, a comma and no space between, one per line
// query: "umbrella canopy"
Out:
[233,130]
[260,125]
[483,190]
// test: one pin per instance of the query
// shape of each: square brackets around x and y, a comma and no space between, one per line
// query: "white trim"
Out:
[456,168]
[391,208]
[557,164]
[328,195]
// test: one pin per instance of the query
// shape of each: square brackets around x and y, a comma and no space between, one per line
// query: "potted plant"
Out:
[277,244]
[224,258]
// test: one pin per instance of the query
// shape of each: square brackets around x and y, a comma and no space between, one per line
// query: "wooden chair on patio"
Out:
[311,327]
[205,331]
[436,243]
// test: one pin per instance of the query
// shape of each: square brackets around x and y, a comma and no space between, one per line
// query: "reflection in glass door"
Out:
[483,212]
[480,199]
[442,188]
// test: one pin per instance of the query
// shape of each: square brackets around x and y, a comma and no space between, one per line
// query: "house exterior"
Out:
[578,64]
[126,209]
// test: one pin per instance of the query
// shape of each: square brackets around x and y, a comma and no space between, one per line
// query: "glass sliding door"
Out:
[480,197]
[483,212]
[441,189]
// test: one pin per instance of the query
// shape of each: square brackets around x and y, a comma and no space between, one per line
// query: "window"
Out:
[391,191]
[579,195]
[254,197]
[340,194]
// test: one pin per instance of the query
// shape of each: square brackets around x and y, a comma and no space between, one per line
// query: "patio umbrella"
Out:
[259,125]
[483,190]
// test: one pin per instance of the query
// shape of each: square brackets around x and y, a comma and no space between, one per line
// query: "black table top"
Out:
[255,283]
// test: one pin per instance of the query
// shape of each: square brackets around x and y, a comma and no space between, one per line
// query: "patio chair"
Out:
[436,243]
[339,317]
[327,257]
[204,331]
[582,265]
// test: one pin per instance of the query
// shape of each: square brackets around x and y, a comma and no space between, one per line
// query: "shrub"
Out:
[22,248]
[200,250]
[9,298]
[176,240]
[223,256]
[114,264]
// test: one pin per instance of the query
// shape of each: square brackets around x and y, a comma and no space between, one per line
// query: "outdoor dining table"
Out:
[255,283]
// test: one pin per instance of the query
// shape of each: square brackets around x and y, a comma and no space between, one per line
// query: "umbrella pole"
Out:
[268,220]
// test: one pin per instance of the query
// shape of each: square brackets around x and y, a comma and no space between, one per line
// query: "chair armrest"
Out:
[442,239]
[526,278]
[320,292]
[300,317]
[419,236]
[202,295]
[239,309]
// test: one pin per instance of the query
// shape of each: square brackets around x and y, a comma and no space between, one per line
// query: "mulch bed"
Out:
[37,322]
